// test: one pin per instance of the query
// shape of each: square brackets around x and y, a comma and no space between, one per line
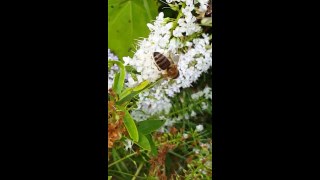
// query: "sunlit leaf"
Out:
[129,93]
[131,126]
[127,21]
[141,86]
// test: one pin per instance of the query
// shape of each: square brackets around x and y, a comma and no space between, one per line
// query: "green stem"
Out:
[138,171]
[125,173]
[183,109]
[178,155]
[193,36]
[126,157]
[175,23]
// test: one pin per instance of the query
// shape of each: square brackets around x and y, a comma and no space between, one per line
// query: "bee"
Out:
[209,9]
[207,14]
[166,65]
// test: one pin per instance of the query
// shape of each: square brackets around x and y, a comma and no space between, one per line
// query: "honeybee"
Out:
[209,9]
[207,14]
[166,65]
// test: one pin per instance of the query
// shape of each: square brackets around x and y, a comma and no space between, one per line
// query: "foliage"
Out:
[119,101]
[127,21]
[172,140]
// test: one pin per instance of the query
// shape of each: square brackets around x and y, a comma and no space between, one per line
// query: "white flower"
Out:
[197,151]
[169,123]
[203,171]
[204,106]
[195,59]
[193,114]
[199,128]
[186,116]
[128,144]
[204,145]
[111,55]
[113,69]
[206,93]
[185,136]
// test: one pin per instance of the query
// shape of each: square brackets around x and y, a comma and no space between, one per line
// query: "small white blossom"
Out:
[199,128]
[128,144]
[204,106]
[203,171]
[204,145]
[113,69]
[206,93]
[186,116]
[185,136]
[193,114]
[197,151]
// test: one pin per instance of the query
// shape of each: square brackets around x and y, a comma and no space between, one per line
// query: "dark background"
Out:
[53,86]
[54,71]
[264,77]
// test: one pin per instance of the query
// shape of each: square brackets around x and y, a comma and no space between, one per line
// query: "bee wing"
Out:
[175,58]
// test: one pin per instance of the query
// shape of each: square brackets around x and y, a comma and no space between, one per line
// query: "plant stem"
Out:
[176,112]
[126,157]
[138,171]
[125,173]
[178,155]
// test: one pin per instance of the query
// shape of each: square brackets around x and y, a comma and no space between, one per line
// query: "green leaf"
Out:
[116,82]
[141,86]
[131,69]
[127,98]
[134,76]
[148,126]
[129,93]
[137,89]
[125,93]
[143,142]
[154,150]
[109,177]
[131,126]
[119,77]
[127,22]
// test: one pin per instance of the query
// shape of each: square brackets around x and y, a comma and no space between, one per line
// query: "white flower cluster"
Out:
[113,69]
[206,93]
[187,24]
[166,37]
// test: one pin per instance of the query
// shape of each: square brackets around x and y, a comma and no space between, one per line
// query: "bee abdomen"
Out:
[161,60]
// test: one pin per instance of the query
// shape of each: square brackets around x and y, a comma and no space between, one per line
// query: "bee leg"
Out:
[165,76]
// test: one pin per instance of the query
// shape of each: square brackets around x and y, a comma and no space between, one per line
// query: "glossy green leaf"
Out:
[143,142]
[148,126]
[109,177]
[127,22]
[131,126]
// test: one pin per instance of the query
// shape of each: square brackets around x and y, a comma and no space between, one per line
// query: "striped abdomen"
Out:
[161,60]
